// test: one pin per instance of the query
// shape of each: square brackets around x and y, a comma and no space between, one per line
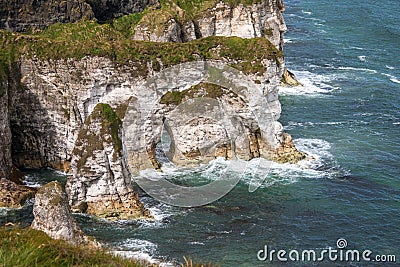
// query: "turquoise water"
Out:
[347,54]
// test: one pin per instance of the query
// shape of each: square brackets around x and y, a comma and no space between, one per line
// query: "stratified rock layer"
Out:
[52,215]
[100,183]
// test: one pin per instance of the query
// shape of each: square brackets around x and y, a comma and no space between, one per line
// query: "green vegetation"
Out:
[199,90]
[110,121]
[88,38]
[89,140]
[193,8]
[28,247]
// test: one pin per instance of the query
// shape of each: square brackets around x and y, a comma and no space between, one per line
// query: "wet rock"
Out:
[287,152]
[288,79]
[13,195]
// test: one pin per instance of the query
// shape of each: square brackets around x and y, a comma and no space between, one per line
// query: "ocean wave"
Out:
[313,84]
[357,69]
[391,78]
[389,67]
[306,12]
[306,18]
[141,250]
[287,40]
[31,181]
[261,173]
[292,125]
[197,243]
[142,256]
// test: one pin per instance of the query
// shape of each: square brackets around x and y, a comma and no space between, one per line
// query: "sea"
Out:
[346,116]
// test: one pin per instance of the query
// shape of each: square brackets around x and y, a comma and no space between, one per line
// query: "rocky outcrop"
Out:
[13,195]
[263,19]
[287,152]
[26,15]
[100,183]
[52,215]
[288,79]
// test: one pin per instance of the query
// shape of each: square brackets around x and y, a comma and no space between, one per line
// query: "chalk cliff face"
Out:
[59,106]
[100,183]
[263,19]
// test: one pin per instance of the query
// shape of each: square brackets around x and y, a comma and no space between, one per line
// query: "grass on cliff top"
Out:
[196,7]
[28,247]
[88,38]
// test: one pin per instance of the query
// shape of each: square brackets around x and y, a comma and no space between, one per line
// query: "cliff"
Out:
[184,22]
[53,84]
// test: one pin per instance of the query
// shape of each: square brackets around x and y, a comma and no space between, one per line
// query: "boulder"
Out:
[53,216]
[13,195]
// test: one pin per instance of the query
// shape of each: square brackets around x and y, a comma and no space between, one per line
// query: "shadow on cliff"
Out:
[32,126]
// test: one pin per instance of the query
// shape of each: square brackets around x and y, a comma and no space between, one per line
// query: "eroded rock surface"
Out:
[13,195]
[100,183]
[52,215]
[263,19]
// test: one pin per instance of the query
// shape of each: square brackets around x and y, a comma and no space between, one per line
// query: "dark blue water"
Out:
[347,115]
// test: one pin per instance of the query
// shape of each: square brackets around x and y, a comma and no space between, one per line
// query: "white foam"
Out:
[30,180]
[141,256]
[396,123]
[138,244]
[390,67]
[313,84]
[197,243]
[306,12]
[391,78]
[356,48]
[261,173]
[139,249]
[357,69]
[287,40]
[362,58]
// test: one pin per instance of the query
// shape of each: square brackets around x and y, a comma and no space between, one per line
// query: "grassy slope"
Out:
[27,247]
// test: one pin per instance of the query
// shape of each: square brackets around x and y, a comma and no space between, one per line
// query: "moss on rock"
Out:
[202,89]
[88,38]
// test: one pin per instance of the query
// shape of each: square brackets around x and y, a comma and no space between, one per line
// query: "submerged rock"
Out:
[13,195]
[53,216]
[287,152]
[288,79]
[100,182]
